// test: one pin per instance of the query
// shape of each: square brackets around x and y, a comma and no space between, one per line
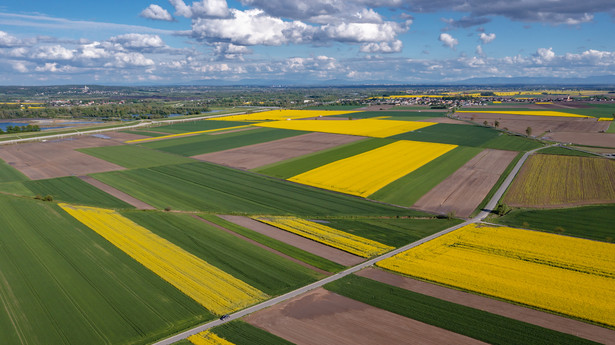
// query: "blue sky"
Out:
[311,41]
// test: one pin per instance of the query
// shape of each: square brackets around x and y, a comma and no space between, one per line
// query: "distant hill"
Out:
[595,80]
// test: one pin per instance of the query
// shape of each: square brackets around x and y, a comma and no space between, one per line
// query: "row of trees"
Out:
[20,129]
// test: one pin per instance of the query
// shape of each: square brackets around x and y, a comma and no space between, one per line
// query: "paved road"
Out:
[490,205]
[95,131]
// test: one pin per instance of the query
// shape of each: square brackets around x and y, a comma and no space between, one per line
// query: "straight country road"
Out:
[239,314]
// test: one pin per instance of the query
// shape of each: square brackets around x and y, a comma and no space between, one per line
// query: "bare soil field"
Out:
[313,247]
[117,193]
[536,317]
[57,158]
[539,124]
[254,156]
[547,181]
[464,190]
[444,120]
[263,246]
[322,317]
[591,139]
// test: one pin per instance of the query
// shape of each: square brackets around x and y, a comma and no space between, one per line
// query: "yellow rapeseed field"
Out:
[208,338]
[366,173]
[183,134]
[281,114]
[524,112]
[564,274]
[605,119]
[365,127]
[332,237]
[213,288]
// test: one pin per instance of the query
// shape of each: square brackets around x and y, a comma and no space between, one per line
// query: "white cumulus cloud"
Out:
[157,13]
[137,41]
[201,9]
[487,38]
[7,40]
[448,40]
[382,47]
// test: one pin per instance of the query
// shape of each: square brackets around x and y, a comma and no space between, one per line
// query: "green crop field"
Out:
[565,152]
[393,232]
[216,189]
[206,143]
[410,188]
[474,323]
[146,133]
[295,166]
[61,283]
[512,143]
[254,265]
[10,174]
[194,126]
[591,222]
[73,190]
[16,188]
[333,107]
[466,135]
[241,333]
[133,156]
[280,246]
[611,127]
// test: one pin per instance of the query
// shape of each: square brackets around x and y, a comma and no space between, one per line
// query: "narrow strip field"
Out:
[282,114]
[550,180]
[365,127]
[562,274]
[62,283]
[213,288]
[366,173]
[324,234]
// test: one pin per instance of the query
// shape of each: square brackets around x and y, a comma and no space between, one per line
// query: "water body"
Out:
[3,124]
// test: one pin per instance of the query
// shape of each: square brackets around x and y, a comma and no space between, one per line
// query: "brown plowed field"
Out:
[557,181]
[464,190]
[322,317]
[117,193]
[590,139]
[313,247]
[57,158]
[254,156]
[539,124]
[536,317]
[444,120]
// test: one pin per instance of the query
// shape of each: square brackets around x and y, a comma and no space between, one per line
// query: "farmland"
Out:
[324,234]
[10,174]
[211,188]
[407,190]
[294,252]
[525,112]
[132,156]
[283,114]
[211,287]
[205,143]
[554,180]
[64,284]
[591,222]
[72,189]
[366,173]
[392,232]
[296,166]
[446,133]
[561,274]
[259,268]
[474,323]
[241,333]
[366,127]
[195,126]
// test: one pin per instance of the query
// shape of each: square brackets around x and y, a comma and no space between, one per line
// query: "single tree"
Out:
[528,131]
